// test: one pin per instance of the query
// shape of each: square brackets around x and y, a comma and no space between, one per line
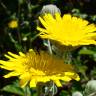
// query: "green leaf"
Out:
[13,89]
[86,51]
[64,93]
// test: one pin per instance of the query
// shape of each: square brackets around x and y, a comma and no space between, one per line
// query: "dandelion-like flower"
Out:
[67,30]
[33,68]
[13,24]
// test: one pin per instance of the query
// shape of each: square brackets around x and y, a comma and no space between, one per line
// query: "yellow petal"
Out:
[21,54]
[57,82]
[33,83]
[9,57]
[58,17]
[13,55]
[43,22]
[77,78]
[24,79]
[69,73]
[11,74]
[41,29]
[66,78]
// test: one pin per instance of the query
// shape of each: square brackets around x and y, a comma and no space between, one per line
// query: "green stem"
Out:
[53,87]
[28,2]
[48,89]
[18,29]
[49,47]
[67,56]
[25,91]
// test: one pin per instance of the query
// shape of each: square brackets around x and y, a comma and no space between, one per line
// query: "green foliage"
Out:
[64,93]
[13,89]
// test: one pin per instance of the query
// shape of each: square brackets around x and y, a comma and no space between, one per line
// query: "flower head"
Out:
[33,68]
[67,30]
[13,24]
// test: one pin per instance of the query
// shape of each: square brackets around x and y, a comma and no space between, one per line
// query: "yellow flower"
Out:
[33,68]
[67,30]
[13,24]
